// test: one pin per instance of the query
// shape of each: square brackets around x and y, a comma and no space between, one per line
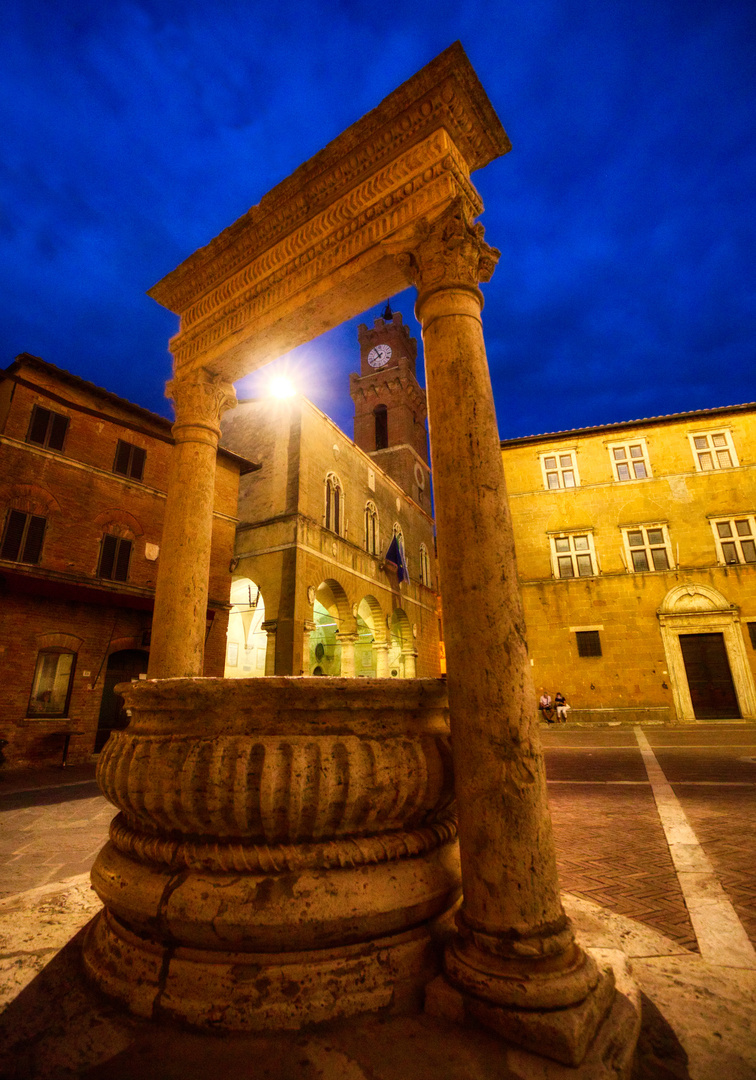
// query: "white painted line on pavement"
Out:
[721,936]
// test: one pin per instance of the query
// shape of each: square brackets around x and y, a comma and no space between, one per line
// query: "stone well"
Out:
[281,848]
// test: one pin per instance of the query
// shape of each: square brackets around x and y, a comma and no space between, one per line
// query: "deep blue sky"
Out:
[134,132]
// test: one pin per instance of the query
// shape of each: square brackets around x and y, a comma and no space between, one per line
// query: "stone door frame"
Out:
[701,609]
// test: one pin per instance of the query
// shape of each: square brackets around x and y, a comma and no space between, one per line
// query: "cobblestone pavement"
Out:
[611,846]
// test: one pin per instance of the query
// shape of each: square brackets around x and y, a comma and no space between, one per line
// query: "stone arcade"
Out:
[285,846]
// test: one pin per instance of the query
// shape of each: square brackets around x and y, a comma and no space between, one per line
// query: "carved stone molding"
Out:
[450,253]
[200,400]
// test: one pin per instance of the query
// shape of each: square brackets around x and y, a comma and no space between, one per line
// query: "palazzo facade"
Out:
[83,477]
[636,552]
[335,567]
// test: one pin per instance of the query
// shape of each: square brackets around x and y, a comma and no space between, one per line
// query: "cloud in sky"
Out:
[134,132]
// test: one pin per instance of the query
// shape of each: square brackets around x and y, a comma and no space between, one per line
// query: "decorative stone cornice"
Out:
[200,400]
[450,253]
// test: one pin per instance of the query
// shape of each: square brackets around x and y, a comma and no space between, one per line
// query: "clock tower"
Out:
[389,405]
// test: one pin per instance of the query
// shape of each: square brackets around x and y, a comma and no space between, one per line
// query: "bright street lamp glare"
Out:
[281,387]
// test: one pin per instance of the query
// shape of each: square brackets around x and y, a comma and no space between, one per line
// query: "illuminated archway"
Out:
[246,641]
[330,614]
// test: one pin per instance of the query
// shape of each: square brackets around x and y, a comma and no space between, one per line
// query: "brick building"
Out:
[318,587]
[636,553]
[83,476]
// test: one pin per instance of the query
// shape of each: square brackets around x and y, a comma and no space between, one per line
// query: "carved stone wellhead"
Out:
[281,846]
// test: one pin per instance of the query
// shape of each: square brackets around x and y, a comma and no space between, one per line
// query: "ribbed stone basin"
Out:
[299,827]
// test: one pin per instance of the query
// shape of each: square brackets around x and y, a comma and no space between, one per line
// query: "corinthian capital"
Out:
[200,400]
[450,253]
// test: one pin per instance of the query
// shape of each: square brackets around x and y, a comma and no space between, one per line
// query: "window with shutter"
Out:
[115,554]
[47,428]
[129,460]
[23,536]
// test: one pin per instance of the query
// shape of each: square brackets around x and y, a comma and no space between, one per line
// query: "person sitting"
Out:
[545,706]
[561,707]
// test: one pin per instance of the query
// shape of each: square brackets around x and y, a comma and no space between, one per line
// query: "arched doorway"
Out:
[401,648]
[123,666]
[246,641]
[709,671]
[329,614]
[371,637]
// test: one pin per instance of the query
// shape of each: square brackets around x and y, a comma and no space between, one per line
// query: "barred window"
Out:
[47,428]
[22,538]
[588,643]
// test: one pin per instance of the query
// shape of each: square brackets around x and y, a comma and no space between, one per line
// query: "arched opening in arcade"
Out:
[329,613]
[246,641]
[401,658]
[370,636]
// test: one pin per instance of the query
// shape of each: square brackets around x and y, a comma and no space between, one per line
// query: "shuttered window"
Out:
[47,428]
[129,460]
[51,689]
[115,554]
[22,538]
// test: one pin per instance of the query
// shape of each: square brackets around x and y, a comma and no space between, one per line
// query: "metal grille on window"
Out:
[648,549]
[629,462]
[560,471]
[712,451]
[588,643]
[737,541]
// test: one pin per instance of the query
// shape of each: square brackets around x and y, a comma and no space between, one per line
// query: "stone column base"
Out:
[233,991]
[594,1040]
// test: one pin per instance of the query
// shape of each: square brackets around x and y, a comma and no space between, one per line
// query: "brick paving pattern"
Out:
[50,835]
[725,823]
[611,850]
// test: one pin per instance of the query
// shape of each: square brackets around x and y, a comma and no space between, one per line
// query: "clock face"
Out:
[379,356]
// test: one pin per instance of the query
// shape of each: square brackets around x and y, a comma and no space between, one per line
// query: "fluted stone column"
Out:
[179,622]
[514,959]
[347,641]
[381,651]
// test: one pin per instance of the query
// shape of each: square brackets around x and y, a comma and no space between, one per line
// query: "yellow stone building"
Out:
[636,553]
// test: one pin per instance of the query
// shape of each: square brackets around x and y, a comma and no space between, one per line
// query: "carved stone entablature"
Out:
[450,253]
[200,401]
[274,278]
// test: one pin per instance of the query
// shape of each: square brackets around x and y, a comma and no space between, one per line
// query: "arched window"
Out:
[380,413]
[399,538]
[334,504]
[425,571]
[371,528]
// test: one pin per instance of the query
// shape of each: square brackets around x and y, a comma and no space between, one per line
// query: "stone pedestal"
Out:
[282,846]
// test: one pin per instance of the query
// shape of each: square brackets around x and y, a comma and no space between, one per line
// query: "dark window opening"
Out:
[115,555]
[47,428]
[380,413]
[22,541]
[752,633]
[588,643]
[129,460]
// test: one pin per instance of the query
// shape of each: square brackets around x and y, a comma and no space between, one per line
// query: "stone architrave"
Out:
[515,958]
[178,626]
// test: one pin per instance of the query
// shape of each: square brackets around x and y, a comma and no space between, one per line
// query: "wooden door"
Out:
[712,690]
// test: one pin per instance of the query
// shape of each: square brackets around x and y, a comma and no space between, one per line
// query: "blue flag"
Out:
[394,555]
